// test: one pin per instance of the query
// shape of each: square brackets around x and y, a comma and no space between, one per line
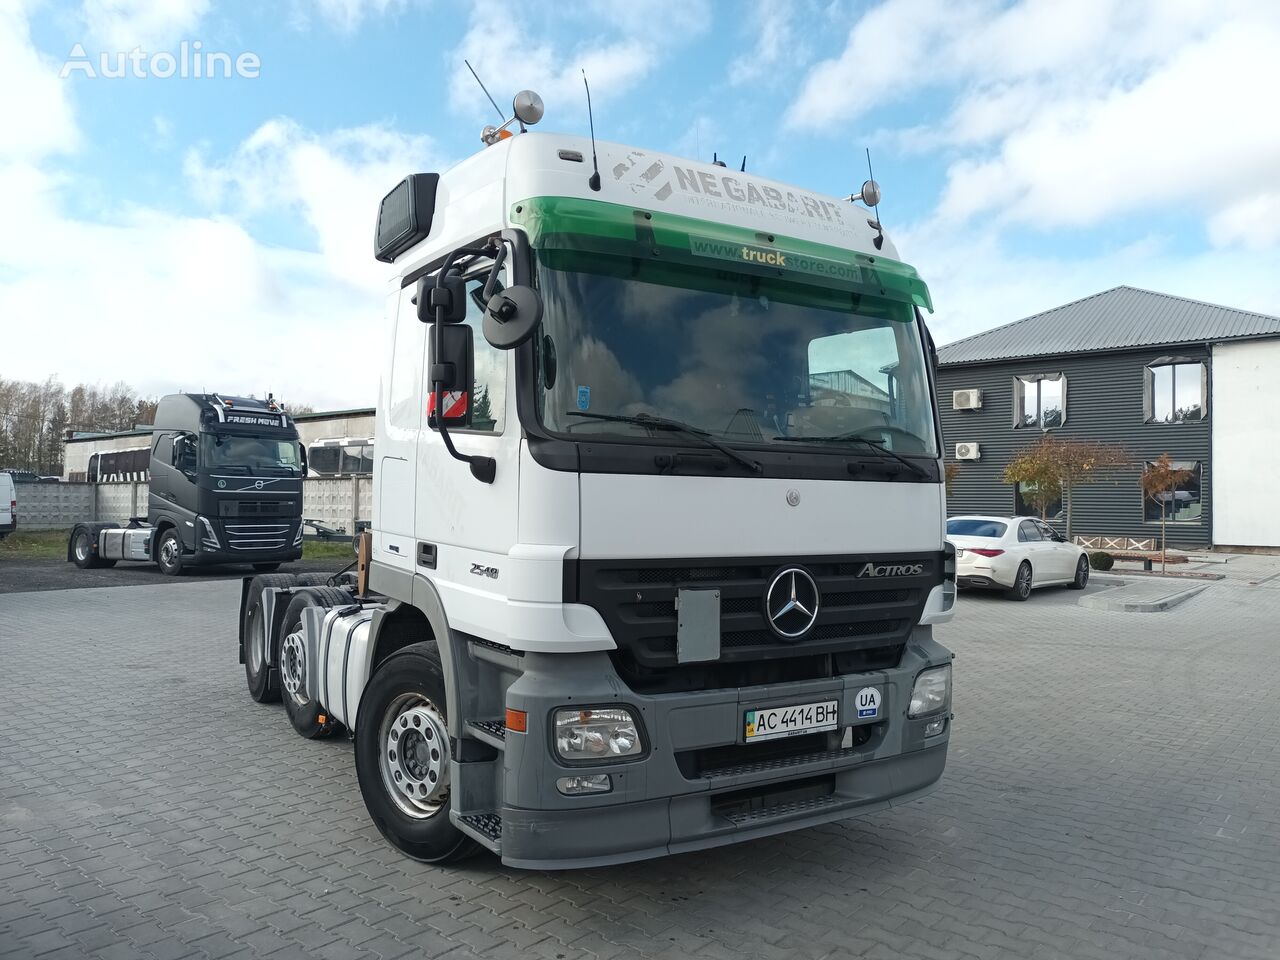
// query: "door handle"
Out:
[427,555]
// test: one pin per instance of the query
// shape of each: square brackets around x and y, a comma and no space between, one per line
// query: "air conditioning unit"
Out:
[968,451]
[966,399]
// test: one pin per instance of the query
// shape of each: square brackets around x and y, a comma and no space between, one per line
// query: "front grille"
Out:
[256,536]
[257,508]
[637,599]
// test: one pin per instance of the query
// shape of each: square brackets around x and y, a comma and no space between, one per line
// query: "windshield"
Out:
[751,360]
[975,528]
[224,453]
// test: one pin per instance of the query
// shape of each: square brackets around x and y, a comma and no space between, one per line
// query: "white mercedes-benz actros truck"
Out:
[658,522]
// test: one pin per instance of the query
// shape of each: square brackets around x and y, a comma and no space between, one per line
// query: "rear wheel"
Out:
[297,672]
[82,553]
[1021,583]
[1082,574]
[169,553]
[261,679]
[402,756]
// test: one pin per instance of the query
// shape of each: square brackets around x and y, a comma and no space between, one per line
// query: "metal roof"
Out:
[1116,319]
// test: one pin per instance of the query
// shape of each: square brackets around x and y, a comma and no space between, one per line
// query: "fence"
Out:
[339,502]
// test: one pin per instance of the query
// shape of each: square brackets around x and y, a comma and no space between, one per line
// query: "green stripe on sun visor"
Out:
[574,224]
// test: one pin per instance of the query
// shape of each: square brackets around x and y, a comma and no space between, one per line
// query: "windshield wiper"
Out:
[675,426]
[915,468]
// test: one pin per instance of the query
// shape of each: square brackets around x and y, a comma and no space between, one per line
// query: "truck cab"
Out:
[682,590]
[226,478]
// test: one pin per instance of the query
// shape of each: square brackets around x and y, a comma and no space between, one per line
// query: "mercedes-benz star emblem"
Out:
[791,603]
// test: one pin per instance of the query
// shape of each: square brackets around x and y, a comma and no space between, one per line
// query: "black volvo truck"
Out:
[226,487]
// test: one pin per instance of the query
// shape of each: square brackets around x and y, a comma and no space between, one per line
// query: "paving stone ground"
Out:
[1113,791]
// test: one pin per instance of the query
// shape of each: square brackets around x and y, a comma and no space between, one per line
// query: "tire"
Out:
[314,579]
[82,553]
[169,553]
[261,679]
[1021,589]
[1082,574]
[266,567]
[404,695]
[306,713]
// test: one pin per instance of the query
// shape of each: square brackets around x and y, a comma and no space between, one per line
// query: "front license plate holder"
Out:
[792,720]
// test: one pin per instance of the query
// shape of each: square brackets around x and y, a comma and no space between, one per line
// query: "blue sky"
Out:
[1030,153]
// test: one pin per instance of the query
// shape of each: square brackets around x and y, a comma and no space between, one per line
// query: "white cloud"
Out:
[36,117]
[1182,134]
[625,44]
[334,181]
[121,25]
[774,23]
[344,16]
[137,281]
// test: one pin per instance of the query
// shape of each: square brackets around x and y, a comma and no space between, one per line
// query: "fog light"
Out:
[576,786]
[932,691]
[935,727]
[596,734]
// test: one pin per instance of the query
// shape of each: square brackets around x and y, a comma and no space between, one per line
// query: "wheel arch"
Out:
[399,624]
[163,524]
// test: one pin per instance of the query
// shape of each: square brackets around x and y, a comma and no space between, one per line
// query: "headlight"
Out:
[210,539]
[932,691]
[600,735]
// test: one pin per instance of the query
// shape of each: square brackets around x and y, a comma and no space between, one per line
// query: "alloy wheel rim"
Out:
[414,756]
[293,667]
[82,547]
[168,551]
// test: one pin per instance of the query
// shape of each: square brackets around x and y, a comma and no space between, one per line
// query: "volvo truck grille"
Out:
[256,536]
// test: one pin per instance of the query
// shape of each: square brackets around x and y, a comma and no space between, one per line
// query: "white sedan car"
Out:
[1015,554]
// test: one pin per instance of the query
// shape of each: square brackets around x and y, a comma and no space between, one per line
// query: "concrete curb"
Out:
[1141,598]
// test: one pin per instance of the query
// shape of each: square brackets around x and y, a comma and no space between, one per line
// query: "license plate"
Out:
[774,722]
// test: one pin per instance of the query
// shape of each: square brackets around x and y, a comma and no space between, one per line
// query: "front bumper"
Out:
[675,798]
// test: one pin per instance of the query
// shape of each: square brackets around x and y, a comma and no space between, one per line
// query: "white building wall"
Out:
[1246,444]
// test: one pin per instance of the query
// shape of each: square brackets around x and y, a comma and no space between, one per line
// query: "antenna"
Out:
[594,181]
[871,178]
[743,168]
[482,87]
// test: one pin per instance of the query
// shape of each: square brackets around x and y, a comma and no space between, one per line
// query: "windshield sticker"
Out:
[584,398]
[771,257]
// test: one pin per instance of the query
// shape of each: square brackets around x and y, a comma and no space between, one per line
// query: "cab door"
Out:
[466,527]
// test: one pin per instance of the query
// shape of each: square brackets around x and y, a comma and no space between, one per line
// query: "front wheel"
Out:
[402,756]
[1082,574]
[1021,589]
[169,553]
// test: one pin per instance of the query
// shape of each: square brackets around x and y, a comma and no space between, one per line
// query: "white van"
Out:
[8,506]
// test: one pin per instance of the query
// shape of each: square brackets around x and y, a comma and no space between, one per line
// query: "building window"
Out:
[1181,505]
[1040,400]
[1026,505]
[1175,391]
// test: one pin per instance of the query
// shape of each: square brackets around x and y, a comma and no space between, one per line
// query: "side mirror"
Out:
[511,316]
[455,366]
[302,458]
[175,452]
[451,295]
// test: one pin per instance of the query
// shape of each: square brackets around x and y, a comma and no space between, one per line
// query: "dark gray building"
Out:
[1153,373]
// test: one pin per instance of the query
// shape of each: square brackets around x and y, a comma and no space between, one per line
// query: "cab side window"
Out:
[489,401]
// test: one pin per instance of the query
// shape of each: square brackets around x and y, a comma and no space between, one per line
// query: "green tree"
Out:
[482,416]
[1160,479]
